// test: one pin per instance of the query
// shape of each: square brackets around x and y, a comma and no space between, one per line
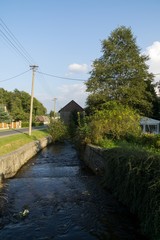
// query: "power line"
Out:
[16,41]
[50,75]
[12,41]
[4,36]
[73,79]
[15,76]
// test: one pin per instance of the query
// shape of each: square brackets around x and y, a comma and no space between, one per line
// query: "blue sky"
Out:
[64,37]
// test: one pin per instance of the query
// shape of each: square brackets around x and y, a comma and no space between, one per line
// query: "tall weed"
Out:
[134,177]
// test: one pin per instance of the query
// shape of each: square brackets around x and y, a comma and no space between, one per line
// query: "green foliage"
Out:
[121,74]
[75,122]
[18,104]
[114,121]
[37,124]
[150,140]
[83,132]
[34,124]
[25,124]
[107,143]
[134,177]
[58,130]
[52,114]
[4,116]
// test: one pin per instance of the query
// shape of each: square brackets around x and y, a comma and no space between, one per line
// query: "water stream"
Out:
[54,196]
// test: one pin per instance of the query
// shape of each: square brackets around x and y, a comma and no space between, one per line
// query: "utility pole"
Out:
[34,68]
[54,109]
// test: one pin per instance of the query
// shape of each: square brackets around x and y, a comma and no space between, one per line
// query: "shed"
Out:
[68,110]
[150,125]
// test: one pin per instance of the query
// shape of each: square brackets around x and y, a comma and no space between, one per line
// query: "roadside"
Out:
[8,132]
[12,142]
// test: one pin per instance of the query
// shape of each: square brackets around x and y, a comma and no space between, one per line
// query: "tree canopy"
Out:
[4,116]
[18,104]
[121,74]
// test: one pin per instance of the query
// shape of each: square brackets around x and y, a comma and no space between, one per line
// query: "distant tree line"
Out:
[18,105]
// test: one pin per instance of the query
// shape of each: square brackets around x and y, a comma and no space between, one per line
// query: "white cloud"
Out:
[78,68]
[76,92]
[153,52]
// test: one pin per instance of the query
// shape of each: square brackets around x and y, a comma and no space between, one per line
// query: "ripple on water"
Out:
[64,201]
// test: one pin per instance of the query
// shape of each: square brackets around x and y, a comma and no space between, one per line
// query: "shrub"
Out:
[106,143]
[37,124]
[57,130]
[114,121]
[151,140]
[25,124]
[83,131]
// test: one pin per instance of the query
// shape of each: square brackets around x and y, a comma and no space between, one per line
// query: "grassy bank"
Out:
[133,175]
[11,143]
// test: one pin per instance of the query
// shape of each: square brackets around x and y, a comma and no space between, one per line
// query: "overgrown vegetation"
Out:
[132,165]
[133,175]
[58,130]
[113,122]
[121,90]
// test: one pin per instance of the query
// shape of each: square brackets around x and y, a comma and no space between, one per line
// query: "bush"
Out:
[114,121]
[83,131]
[34,124]
[151,140]
[25,124]
[107,143]
[57,130]
[37,124]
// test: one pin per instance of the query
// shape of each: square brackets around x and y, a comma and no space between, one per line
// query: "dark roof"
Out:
[71,106]
[42,119]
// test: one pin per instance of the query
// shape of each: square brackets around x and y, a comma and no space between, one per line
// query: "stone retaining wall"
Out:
[12,162]
[93,158]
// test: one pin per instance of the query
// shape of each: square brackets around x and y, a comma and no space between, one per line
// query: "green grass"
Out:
[149,146]
[12,143]
[134,178]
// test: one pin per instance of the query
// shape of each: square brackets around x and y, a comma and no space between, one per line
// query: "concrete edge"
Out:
[12,162]
[94,158]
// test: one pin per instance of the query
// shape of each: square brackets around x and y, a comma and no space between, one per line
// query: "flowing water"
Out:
[54,196]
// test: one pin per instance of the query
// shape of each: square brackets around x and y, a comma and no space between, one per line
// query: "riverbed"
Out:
[55,196]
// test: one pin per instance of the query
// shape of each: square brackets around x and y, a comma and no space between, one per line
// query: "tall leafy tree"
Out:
[121,74]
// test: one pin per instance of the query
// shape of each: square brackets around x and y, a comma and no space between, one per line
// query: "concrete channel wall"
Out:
[93,158]
[12,162]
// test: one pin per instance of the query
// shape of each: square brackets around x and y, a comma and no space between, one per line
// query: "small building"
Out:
[150,125]
[67,111]
[42,119]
